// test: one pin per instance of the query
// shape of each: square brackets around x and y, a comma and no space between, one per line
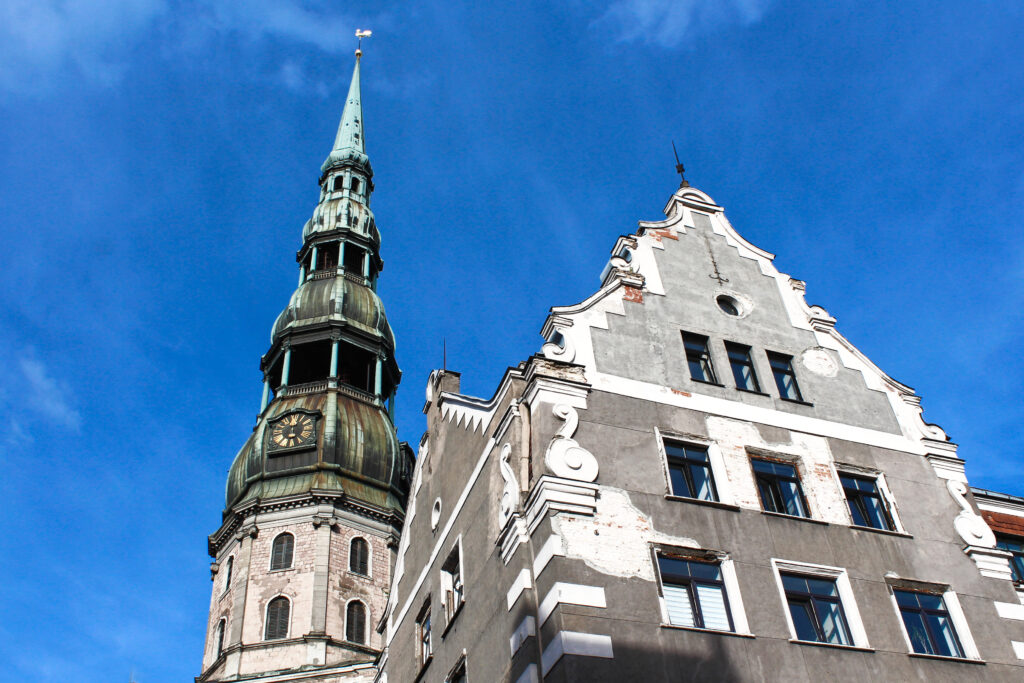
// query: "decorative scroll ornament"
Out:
[971,527]
[510,492]
[566,458]
[565,353]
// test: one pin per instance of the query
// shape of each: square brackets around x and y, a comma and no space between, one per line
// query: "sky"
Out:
[158,159]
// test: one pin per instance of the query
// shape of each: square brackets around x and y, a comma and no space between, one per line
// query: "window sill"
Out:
[704,381]
[451,620]
[675,627]
[797,401]
[283,569]
[886,532]
[797,518]
[814,643]
[423,668]
[361,576]
[964,660]
[751,391]
[700,501]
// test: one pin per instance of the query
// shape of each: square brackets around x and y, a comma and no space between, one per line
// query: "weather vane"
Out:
[679,167]
[360,34]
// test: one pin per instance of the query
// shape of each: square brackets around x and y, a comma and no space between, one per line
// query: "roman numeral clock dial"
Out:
[293,431]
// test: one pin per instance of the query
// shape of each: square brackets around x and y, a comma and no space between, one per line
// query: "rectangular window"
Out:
[779,488]
[694,594]
[451,583]
[785,378]
[698,358]
[690,471]
[424,644]
[742,367]
[1014,545]
[928,624]
[815,608]
[867,507]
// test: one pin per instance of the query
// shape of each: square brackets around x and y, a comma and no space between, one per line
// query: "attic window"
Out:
[339,183]
[728,305]
[355,186]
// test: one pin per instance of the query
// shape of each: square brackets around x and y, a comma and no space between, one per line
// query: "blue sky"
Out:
[159,158]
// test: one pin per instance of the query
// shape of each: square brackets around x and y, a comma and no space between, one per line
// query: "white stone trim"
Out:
[366,621]
[369,556]
[266,616]
[1004,507]
[880,483]
[575,643]
[529,675]
[657,393]
[570,594]
[846,598]
[551,547]
[1018,648]
[527,628]
[723,484]
[553,494]
[956,616]
[522,582]
[1010,610]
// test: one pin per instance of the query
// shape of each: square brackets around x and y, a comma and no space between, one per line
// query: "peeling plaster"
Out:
[616,540]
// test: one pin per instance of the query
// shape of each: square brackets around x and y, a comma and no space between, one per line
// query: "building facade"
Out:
[698,478]
[316,496]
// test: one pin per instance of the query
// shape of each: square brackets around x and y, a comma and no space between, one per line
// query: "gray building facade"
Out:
[697,478]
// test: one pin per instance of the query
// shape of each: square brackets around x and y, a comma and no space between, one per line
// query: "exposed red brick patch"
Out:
[681,393]
[633,294]
[1002,523]
[659,234]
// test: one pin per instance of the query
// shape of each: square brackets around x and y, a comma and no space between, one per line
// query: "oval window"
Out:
[728,305]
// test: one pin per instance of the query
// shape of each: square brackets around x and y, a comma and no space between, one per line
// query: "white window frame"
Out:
[266,618]
[369,556]
[734,598]
[447,584]
[366,622]
[270,556]
[956,615]
[229,565]
[883,490]
[715,459]
[846,599]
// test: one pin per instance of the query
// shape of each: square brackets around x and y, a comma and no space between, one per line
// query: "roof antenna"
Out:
[360,34]
[679,167]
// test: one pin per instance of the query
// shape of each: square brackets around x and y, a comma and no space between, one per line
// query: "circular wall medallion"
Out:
[819,361]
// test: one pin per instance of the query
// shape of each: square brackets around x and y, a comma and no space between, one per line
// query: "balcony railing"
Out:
[303,389]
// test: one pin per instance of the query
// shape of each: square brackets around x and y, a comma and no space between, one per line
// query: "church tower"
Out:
[316,496]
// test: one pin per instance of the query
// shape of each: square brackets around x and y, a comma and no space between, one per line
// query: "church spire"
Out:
[349,143]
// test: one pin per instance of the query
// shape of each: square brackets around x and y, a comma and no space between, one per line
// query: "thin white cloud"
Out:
[669,23]
[47,395]
[44,43]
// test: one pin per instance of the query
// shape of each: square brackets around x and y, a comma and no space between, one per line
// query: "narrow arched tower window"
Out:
[359,557]
[339,183]
[220,638]
[227,572]
[281,554]
[355,186]
[355,623]
[277,619]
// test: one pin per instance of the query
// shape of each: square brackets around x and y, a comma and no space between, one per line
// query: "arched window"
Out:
[227,572]
[359,557]
[281,554]
[220,637]
[339,183]
[277,619]
[355,623]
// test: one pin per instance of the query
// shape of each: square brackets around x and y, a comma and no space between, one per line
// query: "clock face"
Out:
[292,430]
